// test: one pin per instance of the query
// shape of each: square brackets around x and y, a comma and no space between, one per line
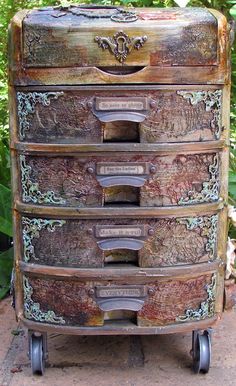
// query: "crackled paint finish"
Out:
[208,226]
[26,103]
[68,116]
[30,189]
[170,300]
[69,299]
[75,302]
[31,228]
[73,180]
[206,309]
[75,244]
[212,101]
[210,189]
[32,309]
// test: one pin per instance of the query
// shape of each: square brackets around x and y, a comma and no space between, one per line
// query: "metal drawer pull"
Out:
[135,181]
[122,173]
[120,116]
[120,304]
[120,243]
[121,109]
[121,298]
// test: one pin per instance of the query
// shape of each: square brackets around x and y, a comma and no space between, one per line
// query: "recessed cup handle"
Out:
[128,297]
[113,116]
[120,243]
[111,109]
[114,304]
[109,181]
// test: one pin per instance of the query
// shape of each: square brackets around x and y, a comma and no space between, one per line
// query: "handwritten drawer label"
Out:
[109,292]
[110,169]
[121,104]
[119,231]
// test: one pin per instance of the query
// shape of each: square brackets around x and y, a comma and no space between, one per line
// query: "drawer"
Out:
[116,242]
[101,115]
[151,302]
[69,36]
[95,180]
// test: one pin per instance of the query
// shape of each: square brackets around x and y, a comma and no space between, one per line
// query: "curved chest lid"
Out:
[109,36]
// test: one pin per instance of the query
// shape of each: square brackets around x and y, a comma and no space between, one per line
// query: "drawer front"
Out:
[98,243]
[70,36]
[95,116]
[89,303]
[141,180]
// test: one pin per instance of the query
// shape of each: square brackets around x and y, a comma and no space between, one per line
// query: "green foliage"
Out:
[6,261]
[8,9]
[5,211]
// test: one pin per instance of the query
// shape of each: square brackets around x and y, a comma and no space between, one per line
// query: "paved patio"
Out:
[116,361]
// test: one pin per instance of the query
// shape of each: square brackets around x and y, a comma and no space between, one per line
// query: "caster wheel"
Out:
[201,352]
[37,354]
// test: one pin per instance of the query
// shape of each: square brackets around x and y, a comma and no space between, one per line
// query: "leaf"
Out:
[6,264]
[5,211]
[182,3]
[232,11]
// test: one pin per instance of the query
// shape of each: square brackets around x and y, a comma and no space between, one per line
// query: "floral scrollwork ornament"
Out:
[31,228]
[120,45]
[32,309]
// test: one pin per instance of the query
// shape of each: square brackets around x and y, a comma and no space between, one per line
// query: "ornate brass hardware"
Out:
[120,45]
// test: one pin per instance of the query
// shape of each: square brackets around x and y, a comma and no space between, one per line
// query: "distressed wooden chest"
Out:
[119,142]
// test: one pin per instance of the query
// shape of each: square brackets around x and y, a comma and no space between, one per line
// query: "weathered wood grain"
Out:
[193,41]
[93,76]
[200,52]
[121,274]
[118,211]
[119,148]
[121,328]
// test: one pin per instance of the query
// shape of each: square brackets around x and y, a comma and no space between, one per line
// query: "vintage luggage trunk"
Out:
[119,142]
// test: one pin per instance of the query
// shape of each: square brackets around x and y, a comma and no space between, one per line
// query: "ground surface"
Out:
[116,361]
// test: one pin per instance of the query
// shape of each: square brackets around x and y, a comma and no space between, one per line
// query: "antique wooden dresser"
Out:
[119,142]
